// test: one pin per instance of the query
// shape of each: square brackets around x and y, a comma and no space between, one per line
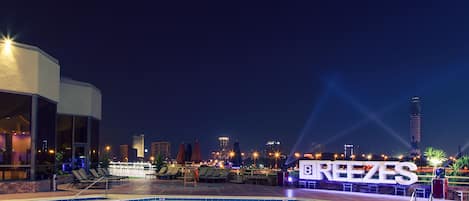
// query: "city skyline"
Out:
[256,73]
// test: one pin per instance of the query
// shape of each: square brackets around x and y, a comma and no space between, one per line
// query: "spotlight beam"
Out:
[309,123]
[360,107]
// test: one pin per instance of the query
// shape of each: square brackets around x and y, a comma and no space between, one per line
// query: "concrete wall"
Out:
[79,98]
[27,69]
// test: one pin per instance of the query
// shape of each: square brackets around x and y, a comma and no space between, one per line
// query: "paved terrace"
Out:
[151,187]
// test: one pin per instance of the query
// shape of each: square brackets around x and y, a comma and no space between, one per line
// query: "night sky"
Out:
[256,71]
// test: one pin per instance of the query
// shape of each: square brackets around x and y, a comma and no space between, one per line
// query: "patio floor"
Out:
[144,187]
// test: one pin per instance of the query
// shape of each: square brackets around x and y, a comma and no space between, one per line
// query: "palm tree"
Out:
[462,162]
[435,157]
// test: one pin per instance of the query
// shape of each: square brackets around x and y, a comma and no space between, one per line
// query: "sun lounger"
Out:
[162,171]
[170,174]
[83,182]
[105,172]
[221,176]
[95,174]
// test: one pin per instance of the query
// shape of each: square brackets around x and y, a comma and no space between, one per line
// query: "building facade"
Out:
[139,145]
[271,147]
[124,153]
[415,125]
[34,101]
[162,148]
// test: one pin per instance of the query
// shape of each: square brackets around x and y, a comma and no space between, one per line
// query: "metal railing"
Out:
[413,197]
[92,184]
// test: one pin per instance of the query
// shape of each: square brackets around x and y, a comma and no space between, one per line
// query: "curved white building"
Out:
[43,115]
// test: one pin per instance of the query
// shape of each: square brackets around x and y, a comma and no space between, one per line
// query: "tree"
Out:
[435,157]
[159,162]
[461,163]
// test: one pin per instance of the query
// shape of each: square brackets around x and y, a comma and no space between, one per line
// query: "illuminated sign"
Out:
[378,172]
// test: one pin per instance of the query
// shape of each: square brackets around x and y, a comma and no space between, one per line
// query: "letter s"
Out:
[406,173]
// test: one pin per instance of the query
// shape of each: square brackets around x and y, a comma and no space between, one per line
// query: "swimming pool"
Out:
[204,199]
[157,198]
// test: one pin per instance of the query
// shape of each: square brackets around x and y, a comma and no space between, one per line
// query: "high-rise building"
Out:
[415,125]
[124,153]
[162,148]
[223,142]
[223,148]
[271,147]
[139,145]
[348,151]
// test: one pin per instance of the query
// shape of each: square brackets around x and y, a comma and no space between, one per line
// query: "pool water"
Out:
[203,199]
[175,199]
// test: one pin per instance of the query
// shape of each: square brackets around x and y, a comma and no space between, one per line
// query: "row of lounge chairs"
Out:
[208,174]
[83,179]
[168,172]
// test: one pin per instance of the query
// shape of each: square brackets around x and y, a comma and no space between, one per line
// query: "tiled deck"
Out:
[175,187]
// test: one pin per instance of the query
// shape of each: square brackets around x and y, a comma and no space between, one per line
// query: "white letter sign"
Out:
[379,172]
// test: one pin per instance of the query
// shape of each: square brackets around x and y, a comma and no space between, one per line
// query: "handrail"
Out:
[413,197]
[92,184]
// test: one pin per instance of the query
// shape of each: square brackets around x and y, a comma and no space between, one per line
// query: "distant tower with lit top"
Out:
[415,125]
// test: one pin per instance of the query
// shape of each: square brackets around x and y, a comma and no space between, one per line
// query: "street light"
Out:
[297,155]
[276,155]
[255,155]
[107,148]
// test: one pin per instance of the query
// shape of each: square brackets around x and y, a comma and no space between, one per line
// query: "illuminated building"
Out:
[415,125]
[124,153]
[348,151]
[161,148]
[223,148]
[43,115]
[271,147]
[139,145]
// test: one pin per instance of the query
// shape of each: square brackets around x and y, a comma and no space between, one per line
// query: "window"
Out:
[45,140]
[15,136]
[81,129]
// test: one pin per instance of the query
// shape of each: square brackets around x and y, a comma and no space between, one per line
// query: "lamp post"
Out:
[231,154]
[254,156]
[276,155]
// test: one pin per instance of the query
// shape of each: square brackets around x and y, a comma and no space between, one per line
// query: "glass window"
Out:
[15,136]
[64,141]
[81,129]
[45,143]
[94,143]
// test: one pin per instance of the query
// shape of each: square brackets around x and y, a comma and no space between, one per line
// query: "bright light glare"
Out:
[7,43]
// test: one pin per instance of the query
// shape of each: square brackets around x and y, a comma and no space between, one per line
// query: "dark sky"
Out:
[255,71]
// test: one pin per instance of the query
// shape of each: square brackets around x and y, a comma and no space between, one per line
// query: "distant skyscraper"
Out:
[223,142]
[271,147]
[138,144]
[162,148]
[348,151]
[415,125]
[124,153]
[223,148]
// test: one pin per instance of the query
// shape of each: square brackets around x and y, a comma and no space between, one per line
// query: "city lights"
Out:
[255,155]
[277,154]
[297,155]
